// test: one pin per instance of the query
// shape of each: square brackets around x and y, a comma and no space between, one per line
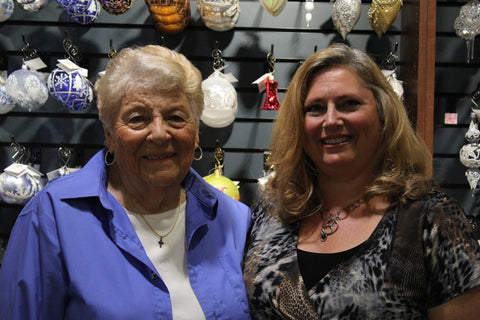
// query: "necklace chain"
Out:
[160,241]
[330,225]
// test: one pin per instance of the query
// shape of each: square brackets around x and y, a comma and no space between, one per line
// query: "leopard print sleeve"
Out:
[452,253]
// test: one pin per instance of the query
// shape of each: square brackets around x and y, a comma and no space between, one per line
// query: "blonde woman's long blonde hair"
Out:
[403,167]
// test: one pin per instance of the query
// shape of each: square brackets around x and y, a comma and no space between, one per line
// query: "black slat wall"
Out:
[244,49]
[455,80]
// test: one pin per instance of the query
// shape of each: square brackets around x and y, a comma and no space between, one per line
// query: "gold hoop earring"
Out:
[108,155]
[201,154]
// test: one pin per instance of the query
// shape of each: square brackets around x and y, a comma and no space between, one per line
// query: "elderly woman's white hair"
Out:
[152,67]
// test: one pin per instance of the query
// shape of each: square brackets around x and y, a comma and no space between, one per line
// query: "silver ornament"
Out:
[345,15]
[6,9]
[27,89]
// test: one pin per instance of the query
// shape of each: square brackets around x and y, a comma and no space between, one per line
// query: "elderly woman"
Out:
[136,233]
[351,226]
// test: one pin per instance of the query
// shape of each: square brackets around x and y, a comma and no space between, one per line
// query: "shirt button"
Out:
[154,276]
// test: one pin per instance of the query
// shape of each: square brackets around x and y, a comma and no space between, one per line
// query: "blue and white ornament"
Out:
[81,11]
[27,89]
[6,103]
[70,88]
[6,9]
[19,183]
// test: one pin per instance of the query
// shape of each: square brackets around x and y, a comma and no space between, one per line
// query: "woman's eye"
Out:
[349,104]
[314,109]
[136,119]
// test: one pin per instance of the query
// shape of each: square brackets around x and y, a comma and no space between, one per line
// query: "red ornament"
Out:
[271,99]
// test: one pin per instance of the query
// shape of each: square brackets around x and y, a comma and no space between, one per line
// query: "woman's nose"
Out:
[332,117]
[158,130]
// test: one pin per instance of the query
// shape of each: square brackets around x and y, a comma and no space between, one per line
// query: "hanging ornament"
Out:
[219,15]
[218,180]
[27,89]
[470,153]
[170,16]
[268,172]
[6,102]
[345,15]
[116,7]
[220,107]
[68,82]
[271,100]
[309,6]
[389,70]
[32,6]
[26,86]
[81,11]
[382,14]
[274,7]
[19,182]
[467,25]
[6,9]
[66,158]
[267,82]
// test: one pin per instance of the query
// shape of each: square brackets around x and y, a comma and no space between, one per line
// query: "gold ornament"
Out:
[170,16]
[382,13]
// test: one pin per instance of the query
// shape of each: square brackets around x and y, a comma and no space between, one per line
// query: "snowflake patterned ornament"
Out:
[27,89]
[32,5]
[345,15]
[6,9]
[70,88]
[6,102]
[19,182]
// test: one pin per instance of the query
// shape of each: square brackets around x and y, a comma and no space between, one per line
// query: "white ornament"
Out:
[219,15]
[345,15]
[220,101]
[308,8]
[6,102]
[473,175]
[27,89]
[19,183]
[396,84]
[6,9]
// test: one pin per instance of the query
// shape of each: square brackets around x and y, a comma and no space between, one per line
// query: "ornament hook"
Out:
[218,157]
[28,52]
[390,61]
[271,60]
[113,51]
[71,50]
[218,61]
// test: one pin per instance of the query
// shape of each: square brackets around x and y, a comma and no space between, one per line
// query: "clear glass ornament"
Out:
[467,25]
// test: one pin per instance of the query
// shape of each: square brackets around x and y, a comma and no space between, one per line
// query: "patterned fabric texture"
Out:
[419,256]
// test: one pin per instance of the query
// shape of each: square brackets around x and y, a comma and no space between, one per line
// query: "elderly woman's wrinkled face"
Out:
[153,139]
[342,126]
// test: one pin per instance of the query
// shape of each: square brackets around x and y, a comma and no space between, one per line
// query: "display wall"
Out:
[244,50]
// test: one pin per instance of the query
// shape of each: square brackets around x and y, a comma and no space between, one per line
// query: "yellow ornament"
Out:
[223,184]
[274,7]
[382,14]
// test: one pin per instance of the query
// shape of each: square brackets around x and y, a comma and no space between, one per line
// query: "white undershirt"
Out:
[170,260]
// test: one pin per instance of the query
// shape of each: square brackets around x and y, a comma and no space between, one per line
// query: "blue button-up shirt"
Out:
[73,254]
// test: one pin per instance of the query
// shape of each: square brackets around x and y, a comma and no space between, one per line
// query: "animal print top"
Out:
[419,256]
